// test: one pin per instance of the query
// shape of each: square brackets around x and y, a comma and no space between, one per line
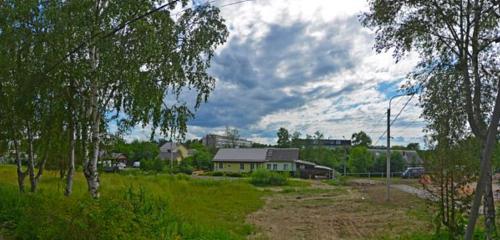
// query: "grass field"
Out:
[132,206]
[136,205]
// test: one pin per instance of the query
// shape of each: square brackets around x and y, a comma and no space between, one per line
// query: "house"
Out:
[213,141]
[119,158]
[248,159]
[175,151]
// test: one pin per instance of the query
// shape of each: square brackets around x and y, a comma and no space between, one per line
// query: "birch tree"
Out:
[458,35]
[140,59]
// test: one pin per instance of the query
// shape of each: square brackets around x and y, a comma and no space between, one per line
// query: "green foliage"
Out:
[333,158]
[264,177]
[155,164]
[154,206]
[202,157]
[361,139]
[283,138]
[413,146]
[338,181]
[398,163]
[134,215]
[360,160]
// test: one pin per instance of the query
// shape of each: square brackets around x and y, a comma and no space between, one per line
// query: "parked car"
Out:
[413,172]
[115,167]
[136,164]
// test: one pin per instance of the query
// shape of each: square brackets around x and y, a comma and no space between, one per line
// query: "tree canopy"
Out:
[70,68]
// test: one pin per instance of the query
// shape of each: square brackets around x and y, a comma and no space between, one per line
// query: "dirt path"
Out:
[423,194]
[322,211]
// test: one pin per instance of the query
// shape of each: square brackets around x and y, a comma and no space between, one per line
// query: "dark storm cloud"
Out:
[252,73]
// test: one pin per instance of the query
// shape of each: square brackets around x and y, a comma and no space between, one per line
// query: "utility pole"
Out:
[345,158]
[388,153]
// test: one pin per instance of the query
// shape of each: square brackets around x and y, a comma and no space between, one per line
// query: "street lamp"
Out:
[388,150]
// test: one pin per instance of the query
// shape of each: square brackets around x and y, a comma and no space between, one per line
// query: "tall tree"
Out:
[283,138]
[101,60]
[233,135]
[295,140]
[462,37]
[413,146]
[361,139]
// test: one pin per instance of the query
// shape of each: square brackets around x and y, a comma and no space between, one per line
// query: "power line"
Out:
[392,122]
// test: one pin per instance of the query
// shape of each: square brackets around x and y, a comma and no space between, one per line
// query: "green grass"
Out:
[133,206]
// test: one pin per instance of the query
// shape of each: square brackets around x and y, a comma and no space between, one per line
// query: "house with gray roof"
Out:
[248,159]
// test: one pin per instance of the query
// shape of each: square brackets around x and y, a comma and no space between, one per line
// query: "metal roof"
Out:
[241,155]
[256,154]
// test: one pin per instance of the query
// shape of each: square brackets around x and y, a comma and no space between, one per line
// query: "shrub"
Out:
[155,164]
[233,174]
[217,174]
[264,177]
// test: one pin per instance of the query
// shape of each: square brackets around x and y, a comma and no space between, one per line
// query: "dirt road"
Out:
[322,211]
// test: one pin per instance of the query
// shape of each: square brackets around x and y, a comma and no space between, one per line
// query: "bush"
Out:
[264,177]
[216,174]
[229,174]
[155,165]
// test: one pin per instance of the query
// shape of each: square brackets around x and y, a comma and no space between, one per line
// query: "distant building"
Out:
[173,150]
[214,141]
[328,143]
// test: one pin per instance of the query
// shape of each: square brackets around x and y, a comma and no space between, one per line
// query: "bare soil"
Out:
[322,211]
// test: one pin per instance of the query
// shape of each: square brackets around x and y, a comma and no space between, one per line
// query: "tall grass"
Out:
[156,206]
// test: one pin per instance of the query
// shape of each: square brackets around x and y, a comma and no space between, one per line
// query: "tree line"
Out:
[69,69]
[457,43]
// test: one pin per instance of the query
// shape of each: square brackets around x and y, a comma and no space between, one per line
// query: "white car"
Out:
[136,164]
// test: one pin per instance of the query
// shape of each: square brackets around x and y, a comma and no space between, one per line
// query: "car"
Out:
[136,164]
[413,172]
[115,167]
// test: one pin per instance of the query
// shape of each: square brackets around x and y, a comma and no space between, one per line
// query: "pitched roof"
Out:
[166,147]
[241,155]
[282,154]
[256,154]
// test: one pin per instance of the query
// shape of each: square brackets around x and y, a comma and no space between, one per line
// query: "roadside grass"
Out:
[132,206]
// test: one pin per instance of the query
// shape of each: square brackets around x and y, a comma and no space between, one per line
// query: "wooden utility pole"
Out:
[388,153]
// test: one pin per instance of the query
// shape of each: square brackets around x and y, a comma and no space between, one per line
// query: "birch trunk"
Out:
[71,164]
[20,174]
[31,160]
[485,169]
[91,167]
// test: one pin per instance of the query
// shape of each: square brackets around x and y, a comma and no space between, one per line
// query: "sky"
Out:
[306,65]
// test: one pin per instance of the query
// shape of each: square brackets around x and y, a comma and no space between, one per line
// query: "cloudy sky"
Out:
[307,65]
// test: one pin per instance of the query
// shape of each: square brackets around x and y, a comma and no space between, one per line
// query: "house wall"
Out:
[234,167]
[280,166]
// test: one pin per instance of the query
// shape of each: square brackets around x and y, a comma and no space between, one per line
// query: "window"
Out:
[221,165]
[285,166]
[269,166]
[275,166]
[252,166]
[242,166]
